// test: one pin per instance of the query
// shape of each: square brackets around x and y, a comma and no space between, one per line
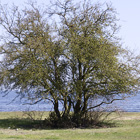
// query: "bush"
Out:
[90,120]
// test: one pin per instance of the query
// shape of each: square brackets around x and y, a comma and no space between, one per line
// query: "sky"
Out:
[128,13]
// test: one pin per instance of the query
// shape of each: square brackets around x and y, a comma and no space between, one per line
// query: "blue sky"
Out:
[128,13]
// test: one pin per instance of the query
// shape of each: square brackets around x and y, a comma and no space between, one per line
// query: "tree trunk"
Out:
[77,107]
[56,108]
[67,106]
[84,109]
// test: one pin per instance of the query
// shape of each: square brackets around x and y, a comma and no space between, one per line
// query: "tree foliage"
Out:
[68,54]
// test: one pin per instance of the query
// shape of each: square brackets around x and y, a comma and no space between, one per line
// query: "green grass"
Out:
[127,128]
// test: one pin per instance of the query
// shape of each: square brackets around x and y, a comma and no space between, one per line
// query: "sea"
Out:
[7,104]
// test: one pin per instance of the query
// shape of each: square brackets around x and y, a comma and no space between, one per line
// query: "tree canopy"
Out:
[68,54]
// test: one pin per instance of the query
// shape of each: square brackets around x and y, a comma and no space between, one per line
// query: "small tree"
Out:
[70,61]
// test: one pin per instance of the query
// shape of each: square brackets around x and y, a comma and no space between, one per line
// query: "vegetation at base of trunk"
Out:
[91,120]
[24,120]
[67,54]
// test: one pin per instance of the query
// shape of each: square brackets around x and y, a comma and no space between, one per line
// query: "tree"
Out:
[70,61]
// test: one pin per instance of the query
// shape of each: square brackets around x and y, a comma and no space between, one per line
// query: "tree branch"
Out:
[103,103]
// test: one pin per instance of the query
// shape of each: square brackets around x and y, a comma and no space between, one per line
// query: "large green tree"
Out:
[68,54]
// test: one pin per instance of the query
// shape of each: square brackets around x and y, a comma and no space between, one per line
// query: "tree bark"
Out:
[56,105]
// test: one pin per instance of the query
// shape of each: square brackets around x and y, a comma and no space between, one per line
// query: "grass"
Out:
[12,127]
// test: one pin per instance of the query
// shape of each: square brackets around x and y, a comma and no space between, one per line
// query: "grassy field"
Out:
[12,127]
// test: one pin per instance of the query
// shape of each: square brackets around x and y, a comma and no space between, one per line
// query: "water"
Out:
[131,104]
[8,104]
